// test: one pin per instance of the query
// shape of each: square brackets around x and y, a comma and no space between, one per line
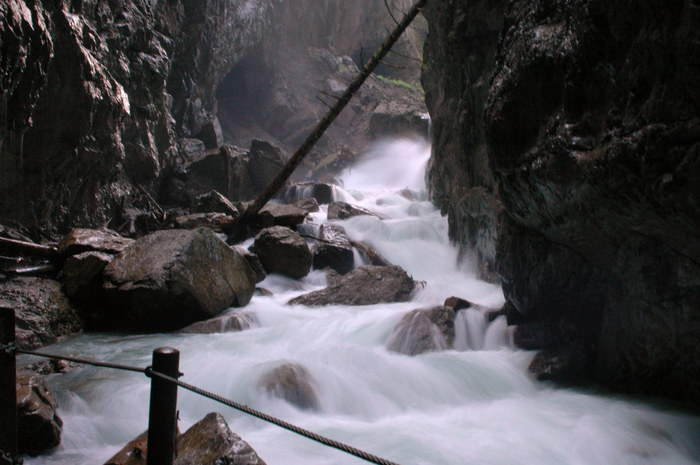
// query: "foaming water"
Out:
[474,404]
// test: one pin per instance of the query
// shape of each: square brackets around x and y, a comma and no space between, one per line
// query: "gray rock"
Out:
[224,170]
[457,303]
[322,192]
[99,240]
[255,264]
[214,202]
[234,321]
[291,382]
[334,250]
[308,205]
[43,312]
[392,119]
[134,453]
[266,161]
[211,442]
[38,425]
[282,250]
[191,150]
[365,285]
[170,279]
[423,330]
[274,214]
[211,134]
[82,276]
[342,210]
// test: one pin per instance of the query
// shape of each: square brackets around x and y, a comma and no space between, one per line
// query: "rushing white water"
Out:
[472,405]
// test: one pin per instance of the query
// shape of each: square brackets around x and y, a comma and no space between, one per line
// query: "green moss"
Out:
[397,82]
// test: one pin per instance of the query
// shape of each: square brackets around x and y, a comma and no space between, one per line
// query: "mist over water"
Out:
[474,404]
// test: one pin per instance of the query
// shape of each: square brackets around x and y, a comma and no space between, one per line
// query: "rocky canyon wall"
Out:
[102,101]
[579,129]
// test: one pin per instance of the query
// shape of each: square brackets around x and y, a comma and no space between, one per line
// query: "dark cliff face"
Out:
[110,86]
[592,130]
[100,97]
[459,57]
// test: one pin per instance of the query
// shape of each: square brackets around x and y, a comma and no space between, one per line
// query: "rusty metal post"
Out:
[162,416]
[8,388]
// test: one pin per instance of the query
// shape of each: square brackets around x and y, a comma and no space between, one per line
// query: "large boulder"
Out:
[365,285]
[170,279]
[334,249]
[38,425]
[207,442]
[43,312]
[423,330]
[291,382]
[211,442]
[282,250]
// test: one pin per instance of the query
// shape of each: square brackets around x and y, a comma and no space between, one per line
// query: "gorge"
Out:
[560,197]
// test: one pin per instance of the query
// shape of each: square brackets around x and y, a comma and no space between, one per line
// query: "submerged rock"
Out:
[334,250]
[282,250]
[234,321]
[38,425]
[365,285]
[43,312]
[423,330]
[170,279]
[342,211]
[291,382]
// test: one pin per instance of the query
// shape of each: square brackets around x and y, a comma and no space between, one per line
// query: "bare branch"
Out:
[386,4]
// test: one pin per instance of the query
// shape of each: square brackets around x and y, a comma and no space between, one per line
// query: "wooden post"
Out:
[162,416]
[8,388]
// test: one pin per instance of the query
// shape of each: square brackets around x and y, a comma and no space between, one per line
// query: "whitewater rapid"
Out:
[472,405]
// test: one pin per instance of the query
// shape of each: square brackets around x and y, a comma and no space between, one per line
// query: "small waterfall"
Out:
[474,332]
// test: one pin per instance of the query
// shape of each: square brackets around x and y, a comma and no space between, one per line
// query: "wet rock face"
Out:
[211,442]
[423,330]
[460,57]
[38,425]
[590,126]
[43,312]
[170,279]
[334,250]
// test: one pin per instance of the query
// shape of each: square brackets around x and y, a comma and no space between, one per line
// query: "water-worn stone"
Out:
[38,425]
[334,250]
[43,312]
[457,303]
[282,250]
[233,321]
[99,240]
[365,285]
[370,255]
[322,192]
[82,276]
[423,330]
[172,278]
[343,210]
[291,382]
[211,442]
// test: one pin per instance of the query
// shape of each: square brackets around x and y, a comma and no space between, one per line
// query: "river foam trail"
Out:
[472,405]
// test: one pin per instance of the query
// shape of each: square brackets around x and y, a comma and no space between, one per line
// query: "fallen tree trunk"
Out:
[14,246]
[240,225]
